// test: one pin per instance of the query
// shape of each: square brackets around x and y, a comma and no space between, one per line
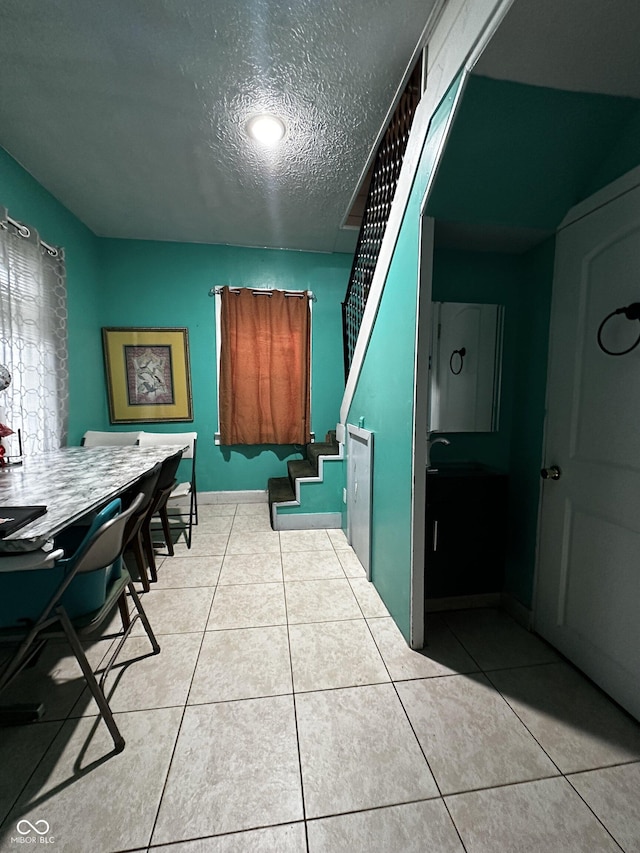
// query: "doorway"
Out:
[529,140]
[587,595]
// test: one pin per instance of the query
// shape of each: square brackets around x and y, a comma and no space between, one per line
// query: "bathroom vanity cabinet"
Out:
[466,530]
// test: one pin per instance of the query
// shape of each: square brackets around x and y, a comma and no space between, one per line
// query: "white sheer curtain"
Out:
[33,339]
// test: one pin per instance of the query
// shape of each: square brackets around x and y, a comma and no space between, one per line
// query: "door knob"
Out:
[552,473]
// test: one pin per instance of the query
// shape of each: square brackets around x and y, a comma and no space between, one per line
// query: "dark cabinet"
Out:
[466,532]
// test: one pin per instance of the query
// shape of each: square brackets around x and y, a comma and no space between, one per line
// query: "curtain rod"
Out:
[25,231]
[216,291]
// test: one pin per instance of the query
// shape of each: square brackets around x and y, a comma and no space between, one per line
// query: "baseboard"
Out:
[309,521]
[462,602]
[517,610]
[521,614]
[257,496]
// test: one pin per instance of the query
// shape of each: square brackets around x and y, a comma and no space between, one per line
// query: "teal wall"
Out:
[523,155]
[522,283]
[527,433]
[623,156]
[27,201]
[167,284]
[384,397]
[136,283]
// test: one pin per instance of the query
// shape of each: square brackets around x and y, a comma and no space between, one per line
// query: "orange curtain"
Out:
[265,368]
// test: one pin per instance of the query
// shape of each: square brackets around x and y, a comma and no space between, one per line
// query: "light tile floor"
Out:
[286,713]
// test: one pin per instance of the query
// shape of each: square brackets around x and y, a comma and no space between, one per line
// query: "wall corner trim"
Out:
[310,521]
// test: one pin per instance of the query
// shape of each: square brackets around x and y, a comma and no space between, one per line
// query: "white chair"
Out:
[185,489]
[94,438]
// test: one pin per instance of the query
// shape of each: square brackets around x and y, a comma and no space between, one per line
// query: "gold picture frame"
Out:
[147,374]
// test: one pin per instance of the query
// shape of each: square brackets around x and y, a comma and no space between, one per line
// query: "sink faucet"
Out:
[431,440]
[439,440]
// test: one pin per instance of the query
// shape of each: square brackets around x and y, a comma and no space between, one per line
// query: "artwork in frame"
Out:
[147,372]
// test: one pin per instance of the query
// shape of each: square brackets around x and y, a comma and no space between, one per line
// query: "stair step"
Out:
[280,489]
[300,468]
[321,449]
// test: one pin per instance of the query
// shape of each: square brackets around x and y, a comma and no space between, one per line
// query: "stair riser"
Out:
[286,490]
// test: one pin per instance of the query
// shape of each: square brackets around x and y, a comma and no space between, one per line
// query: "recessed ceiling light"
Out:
[266,129]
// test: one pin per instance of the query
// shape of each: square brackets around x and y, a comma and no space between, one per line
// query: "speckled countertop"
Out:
[70,482]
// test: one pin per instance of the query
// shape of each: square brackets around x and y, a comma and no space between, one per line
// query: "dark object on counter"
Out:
[12,518]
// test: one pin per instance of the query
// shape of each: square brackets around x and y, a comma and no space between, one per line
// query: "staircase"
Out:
[382,188]
[286,491]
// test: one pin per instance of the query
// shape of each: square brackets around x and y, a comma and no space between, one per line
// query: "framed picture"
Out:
[147,373]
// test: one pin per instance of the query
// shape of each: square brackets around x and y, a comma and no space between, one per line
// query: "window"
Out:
[33,337]
[264,366]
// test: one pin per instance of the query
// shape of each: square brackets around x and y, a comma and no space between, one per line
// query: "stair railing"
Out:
[382,187]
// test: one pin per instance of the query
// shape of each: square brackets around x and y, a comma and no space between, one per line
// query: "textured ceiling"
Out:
[132,113]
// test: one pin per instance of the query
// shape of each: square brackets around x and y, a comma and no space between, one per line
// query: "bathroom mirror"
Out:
[465,367]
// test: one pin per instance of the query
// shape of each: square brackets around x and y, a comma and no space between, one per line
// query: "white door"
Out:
[359,463]
[465,368]
[588,584]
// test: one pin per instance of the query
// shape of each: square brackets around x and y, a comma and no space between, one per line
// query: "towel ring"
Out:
[461,353]
[631,312]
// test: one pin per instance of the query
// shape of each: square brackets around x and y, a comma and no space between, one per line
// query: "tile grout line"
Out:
[305,819]
[457,638]
[520,666]
[404,710]
[433,775]
[184,710]
[458,675]
[61,723]
[529,782]
[381,656]
[483,672]
[561,773]
[295,706]
[97,720]
[383,807]
[451,628]
[151,848]
[522,722]
[600,821]
[16,800]
[604,767]
[486,675]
